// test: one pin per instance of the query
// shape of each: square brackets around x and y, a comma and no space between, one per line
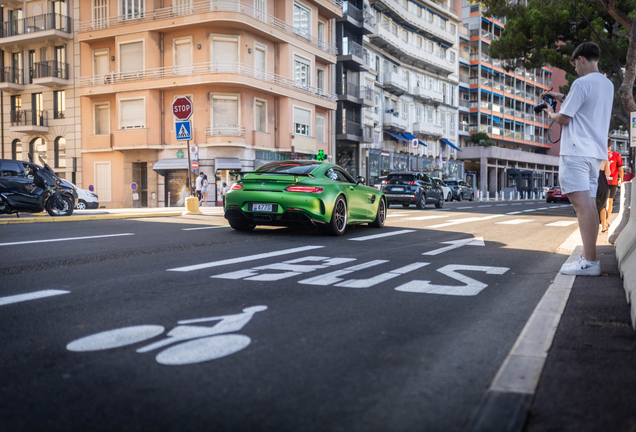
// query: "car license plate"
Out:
[262,207]
[397,189]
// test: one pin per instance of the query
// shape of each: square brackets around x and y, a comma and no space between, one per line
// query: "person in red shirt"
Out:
[615,179]
[629,175]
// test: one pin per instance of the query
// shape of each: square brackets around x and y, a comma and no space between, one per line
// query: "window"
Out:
[320,79]
[102,119]
[183,56]
[103,181]
[182,7]
[59,104]
[132,114]
[100,14]
[301,72]
[260,115]
[38,146]
[37,106]
[132,9]
[59,152]
[225,54]
[320,128]
[131,58]
[301,20]
[225,115]
[100,66]
[260,60]
[321,33]
[260,7]
[453,28]
[16,63]
[452,57]
[16,108]
[31,65]
[302,121]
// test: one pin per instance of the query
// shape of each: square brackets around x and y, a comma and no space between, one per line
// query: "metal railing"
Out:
[464,79]
[357,14]
[52,69]
[37,23]
[485,105]
[464,103]
[231,130]
[349,89]
[11,75]
[208,6]
[464,127]
[366,93]
[205,68]
[29,118]
[350,47]
[349,128]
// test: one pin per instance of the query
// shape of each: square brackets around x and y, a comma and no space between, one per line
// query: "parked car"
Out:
[378,182]
[460,190]
[408,188]
[555,195]
[85,199]
[448,194]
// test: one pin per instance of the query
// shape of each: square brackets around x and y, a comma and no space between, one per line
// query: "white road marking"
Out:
[398,214]
[368,283]
[472,287]
[65,239]
[542,208]
[244,259]
[530,210]
[516,204]
[514,213]
[561,223]
[427,217]
[489,205]
[376,236]
[333,277]
[514,221]
[289,268]
[500,205]
[208,227]
[461,208]
[461,221]
[30,296]
[454,244]
[566,205]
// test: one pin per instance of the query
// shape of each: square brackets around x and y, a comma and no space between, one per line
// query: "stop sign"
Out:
[195,164]
[182,108]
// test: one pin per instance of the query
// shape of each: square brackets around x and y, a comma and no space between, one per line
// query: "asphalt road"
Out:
[181,323]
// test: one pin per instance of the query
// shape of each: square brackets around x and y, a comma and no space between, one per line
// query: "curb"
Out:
[510,395]
[87,217]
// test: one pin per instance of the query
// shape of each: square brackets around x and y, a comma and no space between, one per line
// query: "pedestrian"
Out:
[199,185]
[223,191]
[205,188]
[615,179]
[601,194]
[585,118]
[629,175]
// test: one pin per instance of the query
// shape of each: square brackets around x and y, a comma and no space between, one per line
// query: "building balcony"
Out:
[203,73]
[427,95]
[304,144]
[464,79]
[348,131]
[427,129]
[353,56]
[619,134]
[464,105]
[393,122]
[394,83]
[464,129]
[358,19]
[349,92]
[51,74]
[235,12]
[11,80]
[408,53]
[483,33]
[29,121]
[48,28]
[15,4]
[99,142]
[225,130]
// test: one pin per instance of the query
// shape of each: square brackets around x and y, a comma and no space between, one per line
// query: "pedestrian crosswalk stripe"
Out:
[375,236]
[561,223]
[514,221]
[427,217]
[30,296]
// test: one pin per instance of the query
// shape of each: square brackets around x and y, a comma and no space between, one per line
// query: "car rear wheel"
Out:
[241,226]
[338,222]
[380,216]
[472,197]
[439,203]
[460,197]
[449,197]
[81,205]
[421,203]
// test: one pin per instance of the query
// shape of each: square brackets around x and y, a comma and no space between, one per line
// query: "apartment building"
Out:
[499,103]
[38,95]
[259,73]
[413,80]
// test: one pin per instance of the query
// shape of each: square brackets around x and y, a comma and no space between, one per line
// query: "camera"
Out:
[547,99]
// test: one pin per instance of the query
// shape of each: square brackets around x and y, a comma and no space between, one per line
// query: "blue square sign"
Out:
[184,130]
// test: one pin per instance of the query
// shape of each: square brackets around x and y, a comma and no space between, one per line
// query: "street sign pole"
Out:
[188,180]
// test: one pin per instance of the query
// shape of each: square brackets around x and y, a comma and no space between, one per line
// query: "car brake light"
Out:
[306,189]
[411,183]
[236,186]
[384,182]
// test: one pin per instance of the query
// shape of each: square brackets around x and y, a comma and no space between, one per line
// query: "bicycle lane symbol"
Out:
[194,344]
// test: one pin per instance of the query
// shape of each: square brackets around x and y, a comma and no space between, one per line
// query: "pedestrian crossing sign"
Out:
[184,130]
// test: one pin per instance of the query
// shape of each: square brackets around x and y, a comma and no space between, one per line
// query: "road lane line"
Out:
[461,208]
[514,221]
[398,215]
[500,205]
[461,221]
[561,223]
[514,213]
[516,204]
[244,259]
[64,239]
[208,227]
[542,208]
[376,236]
[30,296]
[489,205]
[427,217]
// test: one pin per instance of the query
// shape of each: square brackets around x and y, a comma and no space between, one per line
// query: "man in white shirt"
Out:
[585,117]
[199,186]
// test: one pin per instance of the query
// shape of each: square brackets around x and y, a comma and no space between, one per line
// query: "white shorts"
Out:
[579,173]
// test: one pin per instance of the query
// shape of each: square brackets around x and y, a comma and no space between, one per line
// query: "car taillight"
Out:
[384,182]
[456,187]
[236,186]
[411,183]
[305,189]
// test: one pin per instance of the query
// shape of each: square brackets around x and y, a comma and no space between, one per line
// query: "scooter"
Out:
[45,192]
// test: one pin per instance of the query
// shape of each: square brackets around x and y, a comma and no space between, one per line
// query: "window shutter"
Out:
[320,128]
[101,64]
[225,51]
[225,112]
[131,57]
[132,114]
[302,116]
[260,117]
[183,56]
[102,120]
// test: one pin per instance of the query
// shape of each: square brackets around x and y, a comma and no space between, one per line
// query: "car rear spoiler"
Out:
[243,173]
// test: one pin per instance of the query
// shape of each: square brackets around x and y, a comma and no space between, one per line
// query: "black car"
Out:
[408,188]
[460,190]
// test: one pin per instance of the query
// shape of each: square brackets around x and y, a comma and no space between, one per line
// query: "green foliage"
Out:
[481,139]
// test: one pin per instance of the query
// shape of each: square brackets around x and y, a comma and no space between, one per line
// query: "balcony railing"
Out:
[349,89]
[37,23]
[11,75]
[205,68]
[231,130]
[464,127]
[51,69]
[29,118]
[357,14]
[464,103]
[464,79]
[350,47]
[401,8]
[348,128]
[209,6]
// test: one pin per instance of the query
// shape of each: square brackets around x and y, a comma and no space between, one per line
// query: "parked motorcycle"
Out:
[29,188]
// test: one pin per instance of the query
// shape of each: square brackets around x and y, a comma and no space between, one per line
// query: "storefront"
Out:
[226,170]
[175,173]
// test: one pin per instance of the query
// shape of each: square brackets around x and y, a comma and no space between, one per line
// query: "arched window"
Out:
[16,150]
[38,147]
[59,151]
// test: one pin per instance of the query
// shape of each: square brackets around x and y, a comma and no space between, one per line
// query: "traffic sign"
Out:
[184,130]
[415,142]
[195,165]
[194,149]
[134,186]
[182,108]
[91,188]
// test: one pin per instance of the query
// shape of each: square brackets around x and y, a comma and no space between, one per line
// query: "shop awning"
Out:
[164,165]
[408,136]
[423,143]
[445,141]
[227,164]
[398,137]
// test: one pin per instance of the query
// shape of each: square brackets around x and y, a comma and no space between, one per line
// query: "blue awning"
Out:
[376,7]
[486,91]
[496,119]
[408,28]
[444,45]
[487,68]
[445,141]
[408,136]
[398,137]
[423,143]
[508,120]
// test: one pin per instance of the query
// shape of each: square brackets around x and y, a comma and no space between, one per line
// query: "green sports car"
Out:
[305,193]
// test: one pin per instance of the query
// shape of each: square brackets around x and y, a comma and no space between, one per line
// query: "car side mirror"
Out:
[360,179]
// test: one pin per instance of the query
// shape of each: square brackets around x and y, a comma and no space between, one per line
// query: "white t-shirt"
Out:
[589,104]
[199,182]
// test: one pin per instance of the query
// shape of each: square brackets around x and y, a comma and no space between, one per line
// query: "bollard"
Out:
[487,195]
[192,206]
[511,195]
[168,203]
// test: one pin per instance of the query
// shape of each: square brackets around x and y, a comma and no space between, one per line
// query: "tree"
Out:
[540,32]
[481,139]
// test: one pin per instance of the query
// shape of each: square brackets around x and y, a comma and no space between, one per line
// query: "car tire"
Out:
[421,202]
[449,198]
[338,223]
[439,203]
[472,197]
[81,205]
[406,205]
[241,225]
[380,216]
[460,197]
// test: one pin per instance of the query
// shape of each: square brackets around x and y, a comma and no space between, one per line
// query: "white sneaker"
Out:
[582,267]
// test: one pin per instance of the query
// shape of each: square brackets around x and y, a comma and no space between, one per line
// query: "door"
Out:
[103,181]
[140,176]
[357,197]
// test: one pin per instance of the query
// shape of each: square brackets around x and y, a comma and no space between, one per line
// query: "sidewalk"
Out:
[589,377]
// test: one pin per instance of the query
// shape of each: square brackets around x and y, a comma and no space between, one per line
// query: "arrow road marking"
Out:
[455,244]
[30,296]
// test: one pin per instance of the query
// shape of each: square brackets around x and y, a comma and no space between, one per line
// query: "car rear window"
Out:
[451,183]
[288,168]
[400,178]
